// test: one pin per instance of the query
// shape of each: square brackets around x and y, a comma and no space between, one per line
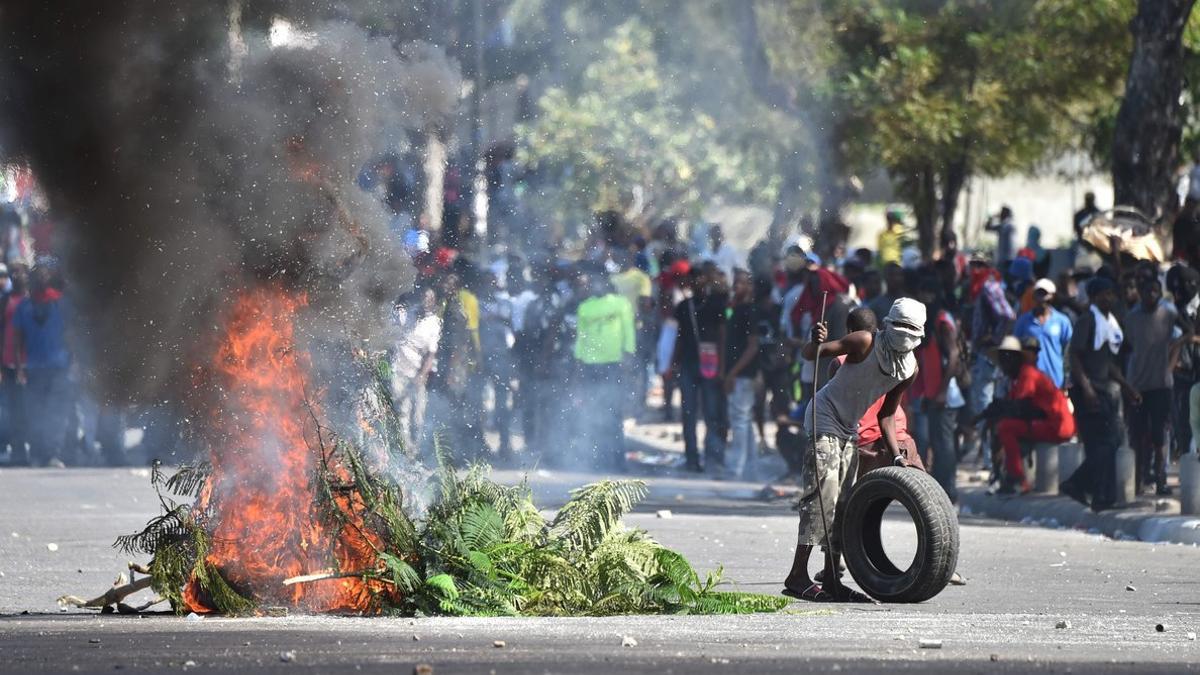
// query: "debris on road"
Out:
[665,514]
[1191,636]
[52,547]
[288,656]
[1160,628]
[931,644]
[499,644]
[1130,588]
[627,641]
[422,669]
[1063,624]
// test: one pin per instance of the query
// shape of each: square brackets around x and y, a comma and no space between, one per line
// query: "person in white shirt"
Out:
[720,253]
[419,329]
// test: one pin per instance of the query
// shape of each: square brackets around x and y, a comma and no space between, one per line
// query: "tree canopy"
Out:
[660,107]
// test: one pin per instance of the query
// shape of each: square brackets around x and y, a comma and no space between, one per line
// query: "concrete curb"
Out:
[1062,512]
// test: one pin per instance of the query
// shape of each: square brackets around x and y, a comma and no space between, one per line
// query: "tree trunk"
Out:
[435,175]
[953,179]
[1150,121]
[925,208]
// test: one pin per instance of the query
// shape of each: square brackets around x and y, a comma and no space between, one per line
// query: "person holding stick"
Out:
[877,364]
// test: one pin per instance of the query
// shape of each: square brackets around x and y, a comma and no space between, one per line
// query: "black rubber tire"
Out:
[937,535]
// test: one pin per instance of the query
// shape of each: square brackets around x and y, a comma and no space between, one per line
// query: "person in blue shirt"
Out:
[1050,327]
[41,322]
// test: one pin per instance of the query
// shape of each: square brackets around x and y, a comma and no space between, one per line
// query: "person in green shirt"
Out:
[604,339]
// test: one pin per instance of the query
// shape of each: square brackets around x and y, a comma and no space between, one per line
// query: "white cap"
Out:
[1045,285]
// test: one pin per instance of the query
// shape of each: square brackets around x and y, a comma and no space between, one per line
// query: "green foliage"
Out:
[1002,83]
[585,521]
[504,559]
[179,545]
[628,136]
[483,550]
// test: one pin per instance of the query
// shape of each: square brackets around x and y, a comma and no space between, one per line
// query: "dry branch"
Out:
[111,597]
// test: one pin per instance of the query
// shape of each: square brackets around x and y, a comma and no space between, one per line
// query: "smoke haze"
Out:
[187,160]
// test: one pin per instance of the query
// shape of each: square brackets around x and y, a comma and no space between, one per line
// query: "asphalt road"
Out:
[1022,582]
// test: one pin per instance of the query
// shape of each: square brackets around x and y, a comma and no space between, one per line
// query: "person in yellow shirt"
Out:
[635,286]
[452,407]
[891,240]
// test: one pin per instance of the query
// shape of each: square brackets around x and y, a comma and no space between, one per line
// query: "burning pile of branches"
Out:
[288,513]
[484,549]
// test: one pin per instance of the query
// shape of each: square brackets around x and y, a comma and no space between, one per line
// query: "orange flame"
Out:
[263,515]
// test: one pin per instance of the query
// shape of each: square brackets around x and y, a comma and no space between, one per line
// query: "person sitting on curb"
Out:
[1035,410]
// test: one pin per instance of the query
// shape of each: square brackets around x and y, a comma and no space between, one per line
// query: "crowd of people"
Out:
[567,349]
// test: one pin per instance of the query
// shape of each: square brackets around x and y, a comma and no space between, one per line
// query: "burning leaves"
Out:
[322,528]
[485,550]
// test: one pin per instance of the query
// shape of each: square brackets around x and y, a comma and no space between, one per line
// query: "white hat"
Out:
[1010,343]
[1045,285]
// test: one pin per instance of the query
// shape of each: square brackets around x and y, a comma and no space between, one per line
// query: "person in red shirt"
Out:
[1034,412]
[12,360]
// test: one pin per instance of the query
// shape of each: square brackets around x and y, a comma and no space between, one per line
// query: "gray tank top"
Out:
[841,403]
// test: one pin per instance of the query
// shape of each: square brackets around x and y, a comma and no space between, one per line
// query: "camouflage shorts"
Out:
[837,460]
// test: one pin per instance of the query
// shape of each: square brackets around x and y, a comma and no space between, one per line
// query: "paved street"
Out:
[1022,581]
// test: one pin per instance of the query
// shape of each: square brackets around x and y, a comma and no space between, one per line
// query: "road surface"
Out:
[1023,581]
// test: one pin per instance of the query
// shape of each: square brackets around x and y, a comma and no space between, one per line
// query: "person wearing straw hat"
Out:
[1035,410]
[877,364]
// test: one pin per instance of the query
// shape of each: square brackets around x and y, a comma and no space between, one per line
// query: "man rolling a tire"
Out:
[877,364]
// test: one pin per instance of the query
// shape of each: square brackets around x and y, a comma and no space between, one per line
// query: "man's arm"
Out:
[854,345]
[1115,372]
[887,415]
[948,373]
[721,335]
[19,341]
[744,362]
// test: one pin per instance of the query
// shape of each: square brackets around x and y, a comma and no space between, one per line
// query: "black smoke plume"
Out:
[187,158]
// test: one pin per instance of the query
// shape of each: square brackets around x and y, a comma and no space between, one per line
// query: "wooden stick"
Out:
[111,597]
[329,574]
[315,576]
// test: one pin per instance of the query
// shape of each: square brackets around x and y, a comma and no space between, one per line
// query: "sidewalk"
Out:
[1142,521]
[1151,520]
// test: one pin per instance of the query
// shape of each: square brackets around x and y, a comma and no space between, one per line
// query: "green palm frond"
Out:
[187,481]
[481,526]
[161,531]
[583,522]
[405,577]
